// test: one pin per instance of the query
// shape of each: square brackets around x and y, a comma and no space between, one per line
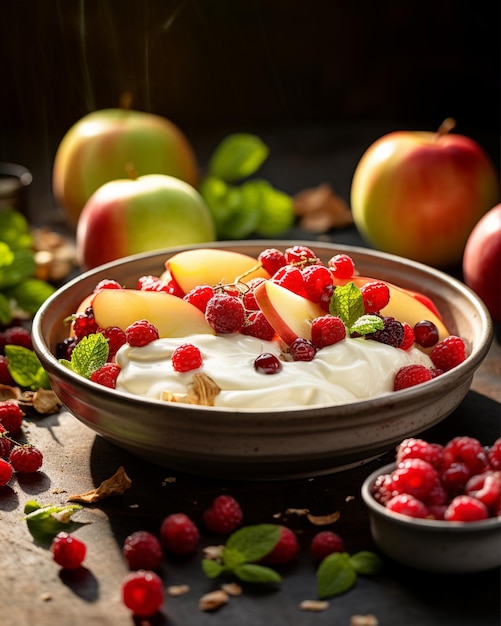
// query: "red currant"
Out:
[6,472]
[69,552]
[342,266]
[143,592]
[267,363]
[425,334]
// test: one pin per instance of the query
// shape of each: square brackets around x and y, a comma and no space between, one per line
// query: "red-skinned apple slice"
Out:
[173,316]
[288,313]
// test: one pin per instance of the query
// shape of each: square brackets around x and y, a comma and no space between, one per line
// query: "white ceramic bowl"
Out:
[433,545]
[250,444]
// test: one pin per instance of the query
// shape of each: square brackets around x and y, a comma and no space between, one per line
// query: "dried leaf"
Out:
[114,486]
[45,402]
[324,520]
[8,392]
[320,209]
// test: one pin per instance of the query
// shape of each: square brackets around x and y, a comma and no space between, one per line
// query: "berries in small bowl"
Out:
[438,507]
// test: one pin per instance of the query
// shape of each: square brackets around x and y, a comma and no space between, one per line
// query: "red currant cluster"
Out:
[458,481]
[14,457]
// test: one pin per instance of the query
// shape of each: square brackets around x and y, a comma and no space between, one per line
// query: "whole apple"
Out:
[101,147]
[419,194]
[482,261]
[151,212]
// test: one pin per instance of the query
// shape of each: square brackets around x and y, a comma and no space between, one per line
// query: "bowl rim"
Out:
[426,525]
[443,383]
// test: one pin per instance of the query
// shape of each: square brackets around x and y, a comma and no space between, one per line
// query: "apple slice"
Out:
[173,316]
[404,305]
[210,266]
[289,314]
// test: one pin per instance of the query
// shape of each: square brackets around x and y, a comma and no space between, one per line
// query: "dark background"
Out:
[316,79]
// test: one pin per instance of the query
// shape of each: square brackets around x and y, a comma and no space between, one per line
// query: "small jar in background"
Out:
[14,184]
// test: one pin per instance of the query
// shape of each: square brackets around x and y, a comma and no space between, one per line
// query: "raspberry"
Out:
[152,283]
[272,260]
[494,455]
[199,296]
[316,278]
[376,296]
[448,353]
[5,443]
[326,297]
[256,325]
[485,487]
[6,472]
[224,516]
[179,534]
[18,336]
[383,489]
[342,266]
[225,313]
[186,357]
[291,278]
[84,324]
[415,477]
[142,550]
[5,375]
[286,548]
[425,333]
[68,552]
[11,416]
[143,592]
[420,449]
[465,509]
[300,255]
[106,375]
[392,334]
[324,543]
[408,340]
[327,330]
[249,298]
[467,450]
[26,459]
[406,504]
[302,350]
[455,477]
[267,363]
[116,339]
[106,283]
[141,333]
[410,375]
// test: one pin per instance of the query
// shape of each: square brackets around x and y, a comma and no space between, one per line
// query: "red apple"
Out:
[129,216]
[102,146]
[482,261]
[419,194]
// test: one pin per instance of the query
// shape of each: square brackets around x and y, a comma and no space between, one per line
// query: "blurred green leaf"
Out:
[30,294]
[238,156]
[22,266]
[14,229]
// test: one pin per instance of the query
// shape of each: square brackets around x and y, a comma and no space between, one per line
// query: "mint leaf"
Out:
[275,209]
[254,542]
[21,267]
[252,573]
[232,558]
[45,522]
[367,324]
[5,310]
[90,353]
[238,156]
[6,255]
[25,368]
[14,229]
[347,303]
[335,575]
[30,294]
[212,568]
[366,563]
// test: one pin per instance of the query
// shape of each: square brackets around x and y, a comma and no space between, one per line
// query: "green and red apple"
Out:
[103,145]
[482,261]
[419,194]
[129,216]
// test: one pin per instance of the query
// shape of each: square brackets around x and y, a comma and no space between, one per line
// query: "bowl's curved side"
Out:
[256,443]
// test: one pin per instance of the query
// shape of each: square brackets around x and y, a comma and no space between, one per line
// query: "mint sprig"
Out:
[243,548]
[241,207]
[25,368]
[90,353]
[338,572]
[347,303]
[44,522]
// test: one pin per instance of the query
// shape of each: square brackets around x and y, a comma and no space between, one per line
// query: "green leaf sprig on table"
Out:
[240,205]
[338,572]
[25,368]
[20,290]
[44,522]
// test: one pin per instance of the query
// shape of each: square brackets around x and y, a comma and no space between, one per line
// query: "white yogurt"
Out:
[351,370]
